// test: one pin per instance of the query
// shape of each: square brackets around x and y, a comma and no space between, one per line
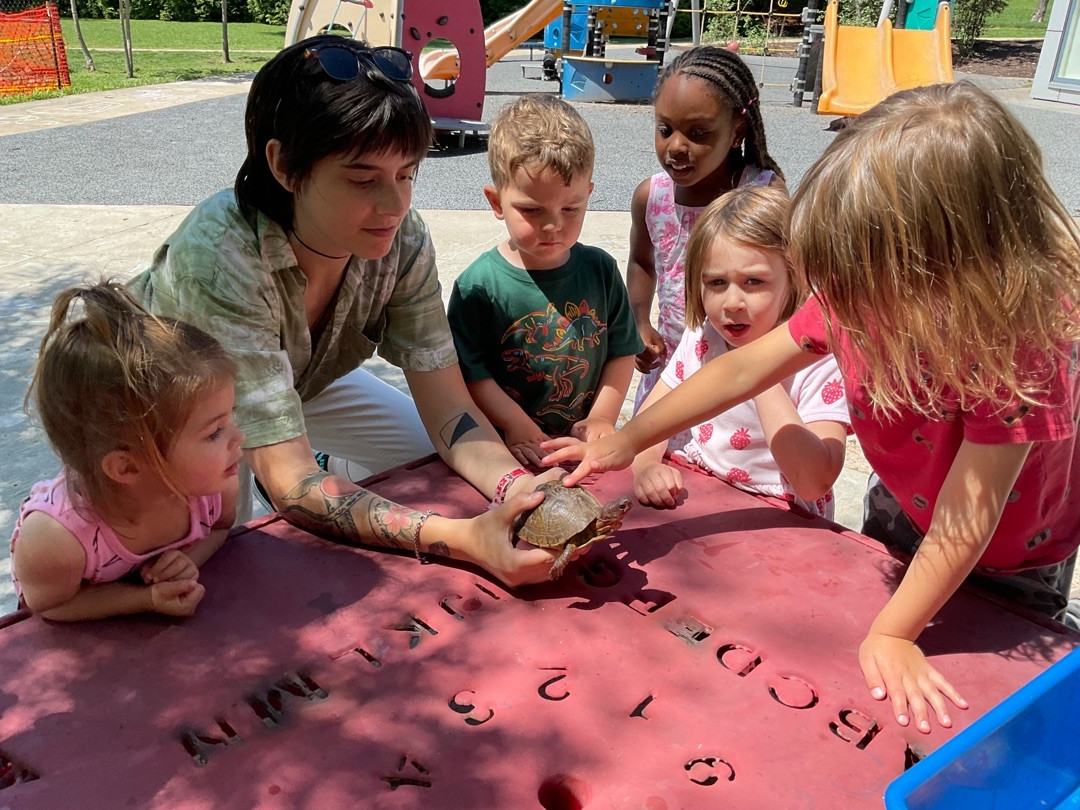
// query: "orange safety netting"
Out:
[32,55]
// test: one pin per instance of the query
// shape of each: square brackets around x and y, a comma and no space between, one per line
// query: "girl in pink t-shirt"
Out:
[788,441]
[710,139]
[139,410]
[945,273]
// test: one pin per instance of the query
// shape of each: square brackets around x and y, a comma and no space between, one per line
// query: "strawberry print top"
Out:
[669,225]
[732,445]
[912,453]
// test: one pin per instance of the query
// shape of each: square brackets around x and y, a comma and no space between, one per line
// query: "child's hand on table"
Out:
[169,566]
[657,484]
[176,597]
[897,669]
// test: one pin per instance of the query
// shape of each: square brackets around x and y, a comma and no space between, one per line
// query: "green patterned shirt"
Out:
[244,287]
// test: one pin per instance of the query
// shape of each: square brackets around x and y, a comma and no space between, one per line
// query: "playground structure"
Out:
[860,66]
[32,55]
[455,107]
[578,42]
[452,81]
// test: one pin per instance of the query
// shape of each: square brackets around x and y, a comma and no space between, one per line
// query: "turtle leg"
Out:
[559,565]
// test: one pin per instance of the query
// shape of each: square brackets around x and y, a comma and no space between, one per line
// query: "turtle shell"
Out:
[564,513]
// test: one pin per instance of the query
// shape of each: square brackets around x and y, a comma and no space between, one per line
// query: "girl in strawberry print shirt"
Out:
[710,139]
[788,441]
[945,273]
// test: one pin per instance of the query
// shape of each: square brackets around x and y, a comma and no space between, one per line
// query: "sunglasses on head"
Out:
[343,63]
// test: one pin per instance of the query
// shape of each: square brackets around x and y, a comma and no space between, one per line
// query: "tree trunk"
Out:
[225,31]
[125,31]
[1040,11]
[87,58]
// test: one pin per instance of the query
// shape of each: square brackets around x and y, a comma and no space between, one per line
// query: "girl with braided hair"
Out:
[710,139]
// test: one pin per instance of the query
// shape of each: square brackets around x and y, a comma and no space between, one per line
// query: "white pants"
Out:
[364,424]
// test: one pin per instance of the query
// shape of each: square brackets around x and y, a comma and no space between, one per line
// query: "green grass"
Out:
[158,35]
[199,54]
[1015,21]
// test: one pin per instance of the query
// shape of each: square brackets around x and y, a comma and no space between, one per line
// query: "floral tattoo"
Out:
[339,517]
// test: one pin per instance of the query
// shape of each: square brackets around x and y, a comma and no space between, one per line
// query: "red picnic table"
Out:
[705,658]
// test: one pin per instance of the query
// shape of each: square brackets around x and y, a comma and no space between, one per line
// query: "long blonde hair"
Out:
[115,377]
[754,216]
[940,251]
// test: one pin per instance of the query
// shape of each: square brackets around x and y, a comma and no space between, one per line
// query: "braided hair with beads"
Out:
[733,84]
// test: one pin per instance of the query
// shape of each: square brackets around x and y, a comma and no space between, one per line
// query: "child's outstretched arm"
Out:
[641,280]
[810,456]
[965,516]
[610,396]
[49,563]
[724,381]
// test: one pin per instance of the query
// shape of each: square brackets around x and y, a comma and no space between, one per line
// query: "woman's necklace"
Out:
[313,250]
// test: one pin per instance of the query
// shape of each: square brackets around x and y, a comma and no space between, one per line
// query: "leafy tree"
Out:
[969,19]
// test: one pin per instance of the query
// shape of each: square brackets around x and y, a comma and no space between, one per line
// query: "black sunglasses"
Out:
[343,63]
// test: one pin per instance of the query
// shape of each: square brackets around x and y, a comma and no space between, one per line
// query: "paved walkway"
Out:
[44,248]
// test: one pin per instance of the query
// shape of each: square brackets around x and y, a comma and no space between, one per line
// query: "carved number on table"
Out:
[864,728]
[543,690]
[414,626]
[461,703]
[423,779]
[703,770]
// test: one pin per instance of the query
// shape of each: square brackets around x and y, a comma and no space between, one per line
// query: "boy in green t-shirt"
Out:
[542,325]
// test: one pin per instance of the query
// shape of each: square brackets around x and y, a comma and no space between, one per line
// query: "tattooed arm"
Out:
[462,435]
[339,510]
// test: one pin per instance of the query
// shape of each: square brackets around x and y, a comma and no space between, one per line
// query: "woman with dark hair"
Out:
[309,264]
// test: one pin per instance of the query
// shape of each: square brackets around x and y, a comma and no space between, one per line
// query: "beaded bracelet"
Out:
[416,534]
[504,484]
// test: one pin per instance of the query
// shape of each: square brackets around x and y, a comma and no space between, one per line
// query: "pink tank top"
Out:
[106,557]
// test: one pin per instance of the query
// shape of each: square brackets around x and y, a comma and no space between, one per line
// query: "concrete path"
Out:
[93,183]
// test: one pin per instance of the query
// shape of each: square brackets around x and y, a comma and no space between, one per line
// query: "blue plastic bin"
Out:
[1025,752]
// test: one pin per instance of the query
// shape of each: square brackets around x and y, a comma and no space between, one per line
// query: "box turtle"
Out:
[570,518]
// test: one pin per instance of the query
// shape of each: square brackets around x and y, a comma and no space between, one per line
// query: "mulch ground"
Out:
[1017,58]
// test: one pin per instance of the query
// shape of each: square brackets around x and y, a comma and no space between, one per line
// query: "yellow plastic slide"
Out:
[500,38]
[861,66]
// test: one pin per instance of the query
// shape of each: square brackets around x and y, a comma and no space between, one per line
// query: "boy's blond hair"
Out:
[754,216]
[929,231]
[539,131]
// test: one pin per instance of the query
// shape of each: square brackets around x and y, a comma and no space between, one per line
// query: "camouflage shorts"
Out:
[1044,590]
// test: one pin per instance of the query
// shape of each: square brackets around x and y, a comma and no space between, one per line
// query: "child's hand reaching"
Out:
[655,351]
[609,453]
[657,484]
[896,668]
[523,442]
[177,597]
[593,427]
[170,566]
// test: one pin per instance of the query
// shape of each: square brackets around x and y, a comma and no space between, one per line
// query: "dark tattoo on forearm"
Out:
[339,517]
[456,428]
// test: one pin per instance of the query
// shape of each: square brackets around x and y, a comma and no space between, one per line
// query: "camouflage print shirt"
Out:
[243,286]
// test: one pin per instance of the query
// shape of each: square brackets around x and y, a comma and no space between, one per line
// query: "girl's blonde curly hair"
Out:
[938,248]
